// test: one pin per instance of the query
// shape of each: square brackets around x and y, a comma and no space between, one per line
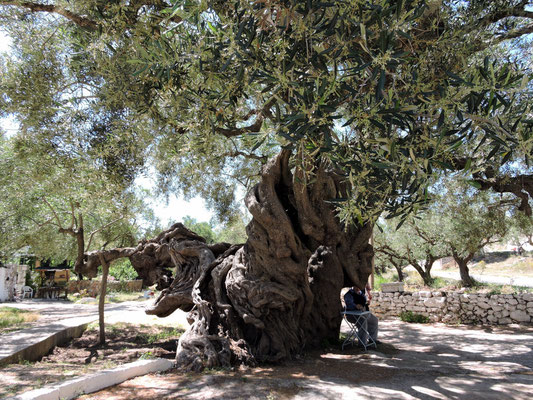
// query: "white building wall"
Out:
[6,284]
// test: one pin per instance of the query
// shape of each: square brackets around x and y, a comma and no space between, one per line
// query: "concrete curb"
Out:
[94,382]
[62,333]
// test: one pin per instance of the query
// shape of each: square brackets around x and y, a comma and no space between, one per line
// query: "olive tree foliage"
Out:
[460,222]
[60,206]
[388,92]
[355,105]
[204,229]
[233,231]
[69,76]
[521,230]
[48,195]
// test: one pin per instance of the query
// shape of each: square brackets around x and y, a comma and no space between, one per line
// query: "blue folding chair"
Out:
[358,326]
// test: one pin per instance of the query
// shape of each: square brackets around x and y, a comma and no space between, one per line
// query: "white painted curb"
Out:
[94,382]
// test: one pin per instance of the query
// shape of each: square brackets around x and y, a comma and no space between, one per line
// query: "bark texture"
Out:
[279,292]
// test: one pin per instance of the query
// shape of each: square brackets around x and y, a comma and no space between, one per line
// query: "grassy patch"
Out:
[11,317]
[439,283]
[163,334]
[409,316]
[490,289]
[119,297]
[389,276]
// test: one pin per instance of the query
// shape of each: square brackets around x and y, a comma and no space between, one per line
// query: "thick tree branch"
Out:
[80,20]
[521,186]
[516,11]
[525,30]
[84,21]
[255,127]
[99,230]
[231,132]
[56,217]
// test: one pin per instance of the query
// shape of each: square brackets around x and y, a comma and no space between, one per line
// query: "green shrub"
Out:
[122,270]
[379,279]
[439,283]
[409,316]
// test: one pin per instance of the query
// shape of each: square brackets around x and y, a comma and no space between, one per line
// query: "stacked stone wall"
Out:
[457,307]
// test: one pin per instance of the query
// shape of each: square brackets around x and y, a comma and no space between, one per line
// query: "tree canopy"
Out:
[47,197]
[390,92]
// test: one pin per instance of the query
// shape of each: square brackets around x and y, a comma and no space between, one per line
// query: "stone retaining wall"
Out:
[93,287]
[457,307]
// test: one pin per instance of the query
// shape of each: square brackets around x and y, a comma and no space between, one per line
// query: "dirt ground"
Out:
[125,343]
[417,361]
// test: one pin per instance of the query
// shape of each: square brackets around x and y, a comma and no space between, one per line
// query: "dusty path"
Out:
[417,362]
[523,281]
[129,311]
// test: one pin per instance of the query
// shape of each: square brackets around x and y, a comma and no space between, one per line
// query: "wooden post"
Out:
[101,302]
[372,274]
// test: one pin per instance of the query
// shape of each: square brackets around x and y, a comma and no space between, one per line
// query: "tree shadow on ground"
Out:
[416,361]
[82,356]
[493,257]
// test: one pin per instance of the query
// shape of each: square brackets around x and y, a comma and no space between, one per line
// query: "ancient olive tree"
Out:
[355,104]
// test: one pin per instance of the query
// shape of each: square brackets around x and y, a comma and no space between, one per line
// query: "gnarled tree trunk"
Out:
[268,299]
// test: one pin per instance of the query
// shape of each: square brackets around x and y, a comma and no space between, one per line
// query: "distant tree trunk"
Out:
[464,272]
[101,302]
[424,271]
[399,270]
[80,243]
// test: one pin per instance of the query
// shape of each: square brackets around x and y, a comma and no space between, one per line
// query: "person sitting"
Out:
[356,300]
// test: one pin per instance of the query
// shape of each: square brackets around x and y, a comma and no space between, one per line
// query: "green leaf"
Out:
[506,157]
[475,184]
[381,85]
[399,5]
[493,152]
[211,27]
[382,165]
[441,119]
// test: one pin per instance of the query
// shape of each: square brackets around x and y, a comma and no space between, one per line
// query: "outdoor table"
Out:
[52,292]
